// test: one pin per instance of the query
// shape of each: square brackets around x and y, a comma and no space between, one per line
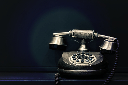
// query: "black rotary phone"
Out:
[83,63]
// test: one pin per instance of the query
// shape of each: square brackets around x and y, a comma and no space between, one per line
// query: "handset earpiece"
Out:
[109,46]
[57,43]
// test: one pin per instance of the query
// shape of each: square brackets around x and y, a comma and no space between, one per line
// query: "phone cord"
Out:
[114,67]
[110,75]
[57,79]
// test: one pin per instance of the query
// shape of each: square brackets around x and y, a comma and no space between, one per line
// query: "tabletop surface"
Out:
[39,78]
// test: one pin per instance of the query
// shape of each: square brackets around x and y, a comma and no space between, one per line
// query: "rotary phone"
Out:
[84,63]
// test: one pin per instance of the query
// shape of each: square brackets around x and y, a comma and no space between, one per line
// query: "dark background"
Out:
[26,28]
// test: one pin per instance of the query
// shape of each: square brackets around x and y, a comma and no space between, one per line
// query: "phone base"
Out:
[82,73]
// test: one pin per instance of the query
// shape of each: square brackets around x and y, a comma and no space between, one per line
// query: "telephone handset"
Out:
[83,63]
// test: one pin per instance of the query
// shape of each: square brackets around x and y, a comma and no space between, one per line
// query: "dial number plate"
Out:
[82,58]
